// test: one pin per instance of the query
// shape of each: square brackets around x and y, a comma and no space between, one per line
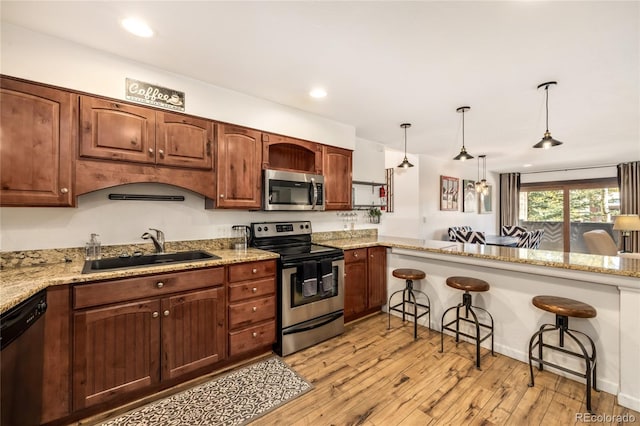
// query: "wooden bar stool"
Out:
[564,308]
[409,293]
[467,284]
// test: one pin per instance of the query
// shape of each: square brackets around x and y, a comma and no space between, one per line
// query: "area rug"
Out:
[235,398]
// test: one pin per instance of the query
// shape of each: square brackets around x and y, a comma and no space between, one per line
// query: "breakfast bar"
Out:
[610,284]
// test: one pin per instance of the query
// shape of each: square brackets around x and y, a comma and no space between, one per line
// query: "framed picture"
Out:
[469,201]
[485,201]
[449,193]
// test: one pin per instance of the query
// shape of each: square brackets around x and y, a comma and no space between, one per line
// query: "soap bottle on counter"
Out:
[93,248]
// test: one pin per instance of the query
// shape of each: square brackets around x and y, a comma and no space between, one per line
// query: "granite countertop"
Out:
[25,273]
[612,265]
[31,272]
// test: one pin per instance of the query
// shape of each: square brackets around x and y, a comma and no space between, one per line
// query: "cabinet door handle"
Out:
[150,150]
[254,309]
[221,195]
[161,152]
[355,254]
[254,334]
[254,290]
[155,314]
[64,190]
[160,284]
[372,256]
[254,270]
[166,313]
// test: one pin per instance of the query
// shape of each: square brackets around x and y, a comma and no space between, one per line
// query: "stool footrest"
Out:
[562,327]
[480,340]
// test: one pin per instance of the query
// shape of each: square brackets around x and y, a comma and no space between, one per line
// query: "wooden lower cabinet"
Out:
[252,306]
[116,351]
[128,346]
[193,331]
[365,281]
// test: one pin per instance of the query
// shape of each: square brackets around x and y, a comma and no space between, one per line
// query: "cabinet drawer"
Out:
[102,293]
[252,338]
[251,270]
[249,289]
[356,255]
[241,314]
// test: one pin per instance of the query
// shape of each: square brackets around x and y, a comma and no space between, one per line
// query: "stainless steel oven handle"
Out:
[315,194]
[310,325]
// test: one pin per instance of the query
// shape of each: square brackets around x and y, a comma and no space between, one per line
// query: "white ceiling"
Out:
[388,62]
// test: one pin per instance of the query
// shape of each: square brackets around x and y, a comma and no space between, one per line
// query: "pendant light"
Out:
[547,141]
[463,152]
[481,185]
[405,163]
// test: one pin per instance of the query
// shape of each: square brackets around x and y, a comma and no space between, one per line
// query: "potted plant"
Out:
[374,214]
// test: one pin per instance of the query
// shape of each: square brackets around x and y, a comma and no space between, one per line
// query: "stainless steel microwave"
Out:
[293,191]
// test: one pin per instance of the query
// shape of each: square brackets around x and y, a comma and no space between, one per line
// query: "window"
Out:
[566,210]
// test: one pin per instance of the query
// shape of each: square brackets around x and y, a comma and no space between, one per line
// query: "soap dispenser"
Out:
[93,249]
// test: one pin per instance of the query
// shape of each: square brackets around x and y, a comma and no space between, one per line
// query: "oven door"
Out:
[301,302]
[293,191]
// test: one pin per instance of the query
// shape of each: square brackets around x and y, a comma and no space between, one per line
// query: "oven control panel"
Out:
[280,229]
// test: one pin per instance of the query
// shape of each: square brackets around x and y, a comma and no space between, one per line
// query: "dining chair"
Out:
[524,240]
[536,239]
[472,237]
[512,230]
[600,242]
[454,229]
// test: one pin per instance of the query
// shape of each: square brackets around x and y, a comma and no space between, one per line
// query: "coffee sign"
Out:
[139,91]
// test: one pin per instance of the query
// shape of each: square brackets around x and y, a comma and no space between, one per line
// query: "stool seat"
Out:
[409,274]
[467,284]
[564,306]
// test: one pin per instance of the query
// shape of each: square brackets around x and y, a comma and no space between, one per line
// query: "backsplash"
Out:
[23,258]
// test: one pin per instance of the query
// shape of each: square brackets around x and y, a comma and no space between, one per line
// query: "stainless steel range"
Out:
[310,284]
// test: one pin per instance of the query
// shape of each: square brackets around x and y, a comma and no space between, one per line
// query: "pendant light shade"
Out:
[405,163]
[481,184]
[464,155]
[547,141]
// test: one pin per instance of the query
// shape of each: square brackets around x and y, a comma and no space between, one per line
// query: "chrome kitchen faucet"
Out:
[158,239]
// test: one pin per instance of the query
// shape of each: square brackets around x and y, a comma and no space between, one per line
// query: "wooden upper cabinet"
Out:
[37,132]
[238,167]
[184,141]
[116,131]
[337,178]
[285,153]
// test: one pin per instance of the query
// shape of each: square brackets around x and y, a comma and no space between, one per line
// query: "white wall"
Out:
[38,57]
[123,222]
[578,174]
[435,221]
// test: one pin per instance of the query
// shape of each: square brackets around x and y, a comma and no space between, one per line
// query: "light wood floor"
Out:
[374,376]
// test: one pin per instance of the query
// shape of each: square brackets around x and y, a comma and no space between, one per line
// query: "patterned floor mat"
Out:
[235,398]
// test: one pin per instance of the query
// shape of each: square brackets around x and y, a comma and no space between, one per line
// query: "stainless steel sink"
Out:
[126,262]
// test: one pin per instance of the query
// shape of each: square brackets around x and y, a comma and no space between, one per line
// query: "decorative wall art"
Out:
[152,94]
[469,200]
[485,201]
[449,193]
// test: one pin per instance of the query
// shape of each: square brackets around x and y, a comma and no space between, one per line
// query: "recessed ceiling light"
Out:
[318,93]
[137,27]
[527,165]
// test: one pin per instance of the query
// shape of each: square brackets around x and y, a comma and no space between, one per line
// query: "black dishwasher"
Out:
[21,360]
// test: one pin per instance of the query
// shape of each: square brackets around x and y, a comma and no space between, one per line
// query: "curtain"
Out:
[509,199]
[629,183]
